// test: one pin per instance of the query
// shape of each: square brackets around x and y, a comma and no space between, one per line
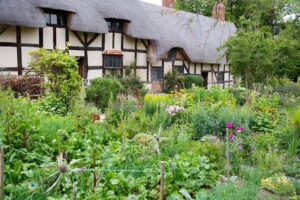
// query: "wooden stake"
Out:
[1,172]
[227,155]
[162,180]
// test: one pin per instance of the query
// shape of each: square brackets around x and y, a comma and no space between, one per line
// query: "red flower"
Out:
[231,136]
[229,125]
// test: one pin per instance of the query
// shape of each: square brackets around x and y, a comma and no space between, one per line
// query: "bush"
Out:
[101,90]
[61,71]
[189,80]
[289,92]
[173,80]
[21,85]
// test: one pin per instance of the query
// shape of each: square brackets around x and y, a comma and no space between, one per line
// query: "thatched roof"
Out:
[21,13]
[197,35]
[166,31]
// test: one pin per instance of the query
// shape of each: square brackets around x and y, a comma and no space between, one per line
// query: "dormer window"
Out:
[172,54]
[55,17]
[115,25]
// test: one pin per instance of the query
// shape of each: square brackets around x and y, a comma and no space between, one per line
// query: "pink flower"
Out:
[239,129]
[229,125]
[231,136]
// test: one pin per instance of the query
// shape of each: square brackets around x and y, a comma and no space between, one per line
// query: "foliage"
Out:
[280,185]
[259,54]
[131,84]
[173,81]
[153,103]
[289,94]
[61,73]
[101,90]
[22,85]
[190,80]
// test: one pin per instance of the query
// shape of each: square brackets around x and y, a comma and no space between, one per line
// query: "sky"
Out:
[158,2]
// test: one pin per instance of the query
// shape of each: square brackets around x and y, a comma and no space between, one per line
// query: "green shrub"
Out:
[189,80]
[101,90]
[289,93]
[61,71]
[173,80]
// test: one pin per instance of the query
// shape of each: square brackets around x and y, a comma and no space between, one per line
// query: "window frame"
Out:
[181,71]
[222,80]
[159,74]
[107,59]
[172,54]
[117,28]
[61,18]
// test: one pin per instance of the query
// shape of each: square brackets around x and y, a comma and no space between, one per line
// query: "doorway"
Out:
[205,78]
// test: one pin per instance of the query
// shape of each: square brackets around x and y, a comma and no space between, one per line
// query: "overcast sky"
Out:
[158,2]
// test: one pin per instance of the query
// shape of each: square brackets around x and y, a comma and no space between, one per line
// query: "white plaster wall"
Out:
[129,42]
[74,41]
[76,53]
[118,41]
[142,73]
[61,38]
[168,67]
[192,68]
[94,74]
[178,62]
[97,42]
[187,66]
[9,35]
[226,76]
[140,45]
[157,64]
[48,38]
[8,73]
[30,35]
[8,57]
[26,58]
[206,67]
[198,68]
[128,58]
[209,78]
[141,59]
[108,40]
[95,58]
[227,68]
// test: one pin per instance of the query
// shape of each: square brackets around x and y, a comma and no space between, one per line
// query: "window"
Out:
[180,69]
[172,54]
[221,77]
[115,25]
[55,17]
[157,73]
[113,61]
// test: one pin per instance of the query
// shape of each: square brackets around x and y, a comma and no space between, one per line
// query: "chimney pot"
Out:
[168,3]
[219,11]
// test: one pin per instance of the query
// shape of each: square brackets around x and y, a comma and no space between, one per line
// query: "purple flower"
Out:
[229,125]
[231,136]
[253,148]
[239,129]
[240,146]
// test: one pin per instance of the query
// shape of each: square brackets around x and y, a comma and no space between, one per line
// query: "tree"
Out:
[256,57]
[61,72]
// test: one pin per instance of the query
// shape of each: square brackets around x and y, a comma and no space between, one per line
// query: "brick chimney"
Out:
[168,3]
[219,11]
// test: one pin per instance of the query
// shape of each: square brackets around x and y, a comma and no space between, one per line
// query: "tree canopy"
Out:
[267,42]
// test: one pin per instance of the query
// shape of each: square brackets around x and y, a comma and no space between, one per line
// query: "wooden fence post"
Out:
[1,172]
[162,180]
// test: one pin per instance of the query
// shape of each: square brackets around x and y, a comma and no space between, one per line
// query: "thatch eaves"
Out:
[65,5]
[197,35]
[21,13]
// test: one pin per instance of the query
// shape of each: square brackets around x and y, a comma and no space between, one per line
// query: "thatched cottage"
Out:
[108,35]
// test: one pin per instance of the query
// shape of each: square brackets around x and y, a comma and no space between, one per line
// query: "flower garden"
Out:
[211,147]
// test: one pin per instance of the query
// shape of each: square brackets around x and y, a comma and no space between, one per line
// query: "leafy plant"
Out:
[101,90]
[61,73]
